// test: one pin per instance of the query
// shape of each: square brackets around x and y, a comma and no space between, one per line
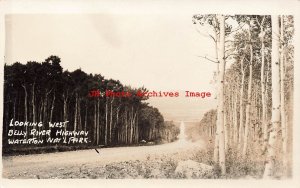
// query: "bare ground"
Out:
[156,161]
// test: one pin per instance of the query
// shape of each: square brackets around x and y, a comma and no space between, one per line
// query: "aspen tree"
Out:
[270,161]
[282,99]
[220,111]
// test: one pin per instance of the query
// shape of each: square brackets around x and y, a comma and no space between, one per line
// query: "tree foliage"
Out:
[44,92]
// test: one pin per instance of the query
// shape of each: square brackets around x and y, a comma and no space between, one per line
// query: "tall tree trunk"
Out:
[137,126]
[34,119]
[111,120]
[52,108]
[65,101]
[131,125]
[235,127]
[217,43]
[117,123]
[220,114]
[14,115]
[98,130]
[79,114]
[263,87]
[248,105]
[85,116]
[45,108]
[134,126]
[76,113]
[241,123]
[126,124]
[45,101]
[106,121]
[41,114]
[33,103]
[216,144]
[95,123]
[270,162]
[25,107]
[282,101]
[226,127]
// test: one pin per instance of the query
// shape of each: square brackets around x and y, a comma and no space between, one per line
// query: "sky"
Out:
[158,51]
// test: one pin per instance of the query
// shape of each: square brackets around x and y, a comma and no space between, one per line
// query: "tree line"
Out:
[254,79]
[44,92]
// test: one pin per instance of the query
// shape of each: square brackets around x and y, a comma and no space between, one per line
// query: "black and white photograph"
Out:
[125,93]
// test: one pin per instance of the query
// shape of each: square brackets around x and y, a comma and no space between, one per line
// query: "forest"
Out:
[249,134]
[252,125]
[42,92]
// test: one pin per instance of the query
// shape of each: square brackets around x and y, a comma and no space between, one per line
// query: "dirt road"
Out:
[30,166]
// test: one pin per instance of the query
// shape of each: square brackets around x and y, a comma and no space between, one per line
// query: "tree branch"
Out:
[204,57]
[231,55]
